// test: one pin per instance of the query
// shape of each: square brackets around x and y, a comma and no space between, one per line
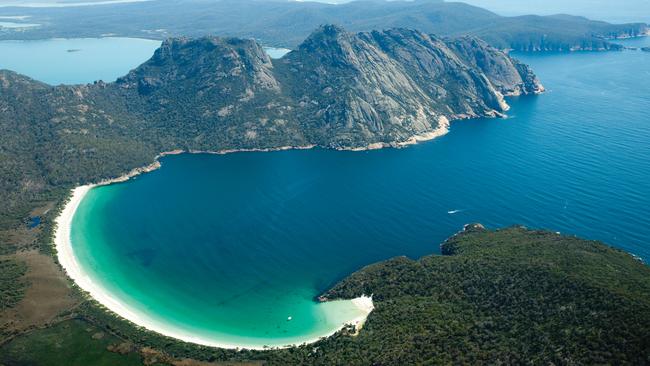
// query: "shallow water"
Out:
[228,246]
[75,61]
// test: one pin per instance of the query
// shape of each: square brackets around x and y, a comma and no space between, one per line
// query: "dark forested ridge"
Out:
[287,23]
[509,296]
[336,90]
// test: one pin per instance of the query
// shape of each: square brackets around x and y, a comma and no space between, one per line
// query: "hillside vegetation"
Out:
[508,296]
[12,283]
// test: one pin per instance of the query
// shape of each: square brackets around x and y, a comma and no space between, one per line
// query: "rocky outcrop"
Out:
[510,76]
[337,89]
[387,86]
[208,62]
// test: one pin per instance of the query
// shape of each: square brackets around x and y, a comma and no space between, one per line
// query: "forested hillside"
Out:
[508,296]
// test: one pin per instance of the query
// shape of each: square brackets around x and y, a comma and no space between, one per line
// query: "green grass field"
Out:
[70,343]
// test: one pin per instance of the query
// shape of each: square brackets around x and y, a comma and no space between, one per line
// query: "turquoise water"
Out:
[229,246]
[75,61]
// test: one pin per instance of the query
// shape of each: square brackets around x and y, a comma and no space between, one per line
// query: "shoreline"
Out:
[441,130]
[67,260]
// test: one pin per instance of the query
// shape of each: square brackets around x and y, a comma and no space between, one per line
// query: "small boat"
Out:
[289,318]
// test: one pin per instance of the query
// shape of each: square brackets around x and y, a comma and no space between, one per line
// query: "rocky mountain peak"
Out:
[203,62]
[338,89]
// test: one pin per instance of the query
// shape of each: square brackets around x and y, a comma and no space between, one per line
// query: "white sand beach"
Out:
[67,259]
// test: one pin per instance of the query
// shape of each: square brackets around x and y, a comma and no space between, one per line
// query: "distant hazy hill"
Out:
[338,90]
[614,11]
[287,23]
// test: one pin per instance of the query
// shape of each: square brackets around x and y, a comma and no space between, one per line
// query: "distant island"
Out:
[286,24]
[337,90]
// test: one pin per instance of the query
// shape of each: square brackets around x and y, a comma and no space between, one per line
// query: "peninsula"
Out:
[336,90]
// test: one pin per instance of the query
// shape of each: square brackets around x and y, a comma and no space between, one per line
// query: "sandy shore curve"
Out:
[68,260]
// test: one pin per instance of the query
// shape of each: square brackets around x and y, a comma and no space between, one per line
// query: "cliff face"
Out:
[338,89]
[383,86]
[209,64]
[215,93]
[508,75]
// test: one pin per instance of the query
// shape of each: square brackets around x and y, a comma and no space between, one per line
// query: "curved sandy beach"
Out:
[71,266]
[68,261]
[74,270]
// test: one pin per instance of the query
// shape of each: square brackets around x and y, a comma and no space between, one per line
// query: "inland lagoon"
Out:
[234,249]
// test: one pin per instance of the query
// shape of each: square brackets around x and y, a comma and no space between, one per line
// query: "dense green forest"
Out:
[12,285]
[509,296]
[287,23]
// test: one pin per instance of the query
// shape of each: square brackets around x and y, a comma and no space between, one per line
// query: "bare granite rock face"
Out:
[337,89]
[508,75]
